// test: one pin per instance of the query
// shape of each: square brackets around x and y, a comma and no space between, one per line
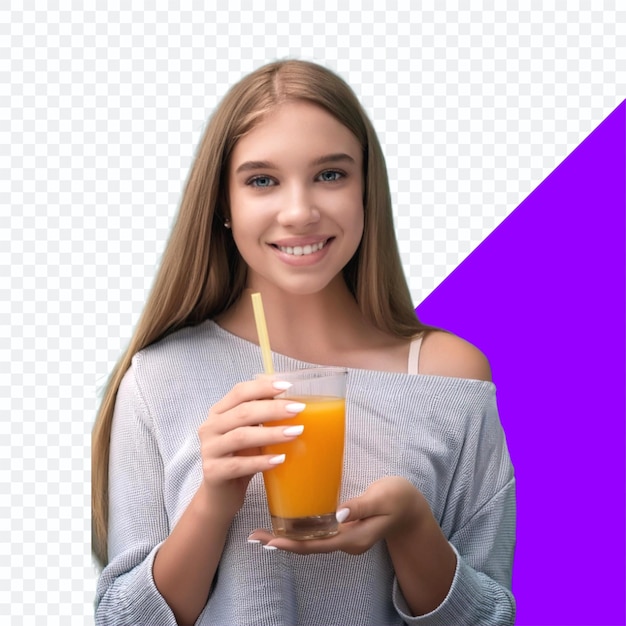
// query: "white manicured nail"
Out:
[277,460]
[270,547]
[292,431]
[282,385]
[342,515]
[254,541]
[295,407]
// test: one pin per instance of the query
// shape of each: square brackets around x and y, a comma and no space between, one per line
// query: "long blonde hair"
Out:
[201,272]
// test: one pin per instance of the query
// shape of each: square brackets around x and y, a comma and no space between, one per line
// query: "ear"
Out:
[222,210]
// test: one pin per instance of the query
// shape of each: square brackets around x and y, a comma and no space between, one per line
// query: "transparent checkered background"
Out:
[100,114]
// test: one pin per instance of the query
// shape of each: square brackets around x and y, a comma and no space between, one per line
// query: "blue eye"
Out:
[261,182]
[331,176]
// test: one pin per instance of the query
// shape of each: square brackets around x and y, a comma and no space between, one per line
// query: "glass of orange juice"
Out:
[303,492]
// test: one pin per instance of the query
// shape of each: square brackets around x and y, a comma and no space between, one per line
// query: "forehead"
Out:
[296,127]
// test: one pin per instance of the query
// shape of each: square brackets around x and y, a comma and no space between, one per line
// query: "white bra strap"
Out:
[414,355]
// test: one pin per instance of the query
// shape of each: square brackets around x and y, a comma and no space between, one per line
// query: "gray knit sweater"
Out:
[442,434]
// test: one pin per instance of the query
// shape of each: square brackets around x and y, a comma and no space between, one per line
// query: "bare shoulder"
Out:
[445,354]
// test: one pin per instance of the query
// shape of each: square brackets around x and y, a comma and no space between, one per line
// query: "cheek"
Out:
[357,217]
[358,231]
[244,232]
[245,214]
[249,223]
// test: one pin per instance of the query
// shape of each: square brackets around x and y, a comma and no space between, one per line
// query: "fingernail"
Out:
[342,515]
[269,547]
[292,431]
[295,407]
[281,385]
[254,541]
[277,460]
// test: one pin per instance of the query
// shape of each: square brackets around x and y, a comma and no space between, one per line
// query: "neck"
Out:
[313,327]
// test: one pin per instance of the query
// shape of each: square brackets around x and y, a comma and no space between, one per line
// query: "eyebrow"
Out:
[267,165]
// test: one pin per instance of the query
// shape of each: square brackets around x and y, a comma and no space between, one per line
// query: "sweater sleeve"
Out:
[479,521]
[138,522]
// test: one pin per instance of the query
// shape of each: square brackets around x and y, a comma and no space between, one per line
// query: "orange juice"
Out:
[307,484]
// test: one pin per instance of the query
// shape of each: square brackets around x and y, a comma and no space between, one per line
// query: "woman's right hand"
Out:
[230,444]
[231,440]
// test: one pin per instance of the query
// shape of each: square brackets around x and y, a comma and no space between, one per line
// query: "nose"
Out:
[298,208]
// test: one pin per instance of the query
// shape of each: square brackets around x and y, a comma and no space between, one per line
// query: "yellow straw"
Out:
[261,329]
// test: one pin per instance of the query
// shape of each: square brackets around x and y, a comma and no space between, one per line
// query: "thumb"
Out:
[357,508]
[343,514]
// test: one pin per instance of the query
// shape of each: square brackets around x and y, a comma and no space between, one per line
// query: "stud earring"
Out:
[226,223]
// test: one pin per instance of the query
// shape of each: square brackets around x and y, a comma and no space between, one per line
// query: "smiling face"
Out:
[295,185]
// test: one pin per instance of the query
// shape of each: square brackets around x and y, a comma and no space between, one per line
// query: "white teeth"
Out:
[302,250]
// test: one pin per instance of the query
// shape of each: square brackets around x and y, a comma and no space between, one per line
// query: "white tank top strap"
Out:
[414,355]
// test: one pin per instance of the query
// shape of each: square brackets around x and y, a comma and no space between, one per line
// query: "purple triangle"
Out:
[543,296]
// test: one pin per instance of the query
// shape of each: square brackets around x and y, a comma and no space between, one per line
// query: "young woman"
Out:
[289,196]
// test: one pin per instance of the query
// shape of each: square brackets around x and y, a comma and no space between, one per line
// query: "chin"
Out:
[303,290]
[303,287]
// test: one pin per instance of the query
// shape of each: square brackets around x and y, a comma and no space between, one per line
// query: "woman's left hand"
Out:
[389,506]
